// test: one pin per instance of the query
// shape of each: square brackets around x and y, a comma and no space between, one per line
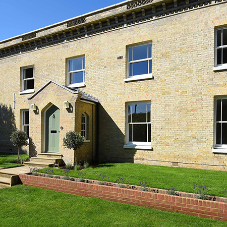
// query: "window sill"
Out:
[219,150]
[76,85]
[144,146]
[87,141]
[29,91]
[220,67]
[140,77]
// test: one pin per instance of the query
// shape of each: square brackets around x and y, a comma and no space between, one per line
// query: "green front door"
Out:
[52,129]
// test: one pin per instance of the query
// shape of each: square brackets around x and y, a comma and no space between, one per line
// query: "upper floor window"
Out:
[76,72]
[221,48]
[140,62]
[84,126]
[28,79]
[25,121]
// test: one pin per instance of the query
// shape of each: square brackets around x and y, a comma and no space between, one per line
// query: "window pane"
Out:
[219,51]
[131,70]
[76,77]
[26,117]
[28,73]
[224,55]
[218,37]
[149,133]
[224,36]
[140,52]
[224,133]
[83,118]
[148,112]
[28,84]
[75,64]
[140,68]
[150,66]
[130,133]
[129,113]
[83,59]
[150,50]
[224,109]
[139,113]
[218,133]
[139,133]
[26,129]
[130,54]
[218,111]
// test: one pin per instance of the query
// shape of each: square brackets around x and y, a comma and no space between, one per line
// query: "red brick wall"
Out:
[191,206]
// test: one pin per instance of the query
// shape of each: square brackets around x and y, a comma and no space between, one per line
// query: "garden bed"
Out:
[154,198]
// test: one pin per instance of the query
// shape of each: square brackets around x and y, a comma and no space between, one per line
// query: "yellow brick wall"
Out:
[181,93]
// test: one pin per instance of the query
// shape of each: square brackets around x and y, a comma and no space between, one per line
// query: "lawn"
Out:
[28,206]
[9,160]
[181,179]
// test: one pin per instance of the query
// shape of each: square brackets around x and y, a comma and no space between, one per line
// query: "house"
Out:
[144,81]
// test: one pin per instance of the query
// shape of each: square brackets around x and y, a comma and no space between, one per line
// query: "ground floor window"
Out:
[221,122]
[84,123]
[139,122]
[25,121]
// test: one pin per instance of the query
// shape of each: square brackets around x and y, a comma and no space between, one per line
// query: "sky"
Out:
[21,16]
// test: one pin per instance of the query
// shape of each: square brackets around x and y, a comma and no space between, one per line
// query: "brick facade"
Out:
[181,92]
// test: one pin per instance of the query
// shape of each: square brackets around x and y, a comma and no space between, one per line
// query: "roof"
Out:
[84,95]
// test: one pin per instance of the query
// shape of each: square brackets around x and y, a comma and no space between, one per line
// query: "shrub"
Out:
[66,177]
[68,166]
[81,180]
[73,140]
[86,164]
[19,139]
[77,167]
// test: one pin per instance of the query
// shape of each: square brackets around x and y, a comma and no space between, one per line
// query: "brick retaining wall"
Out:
[191,206]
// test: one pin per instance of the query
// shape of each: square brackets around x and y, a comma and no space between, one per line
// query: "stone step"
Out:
[45,160]
[50,155]
[6,175]
[5,180]
[39,164]
[4,186]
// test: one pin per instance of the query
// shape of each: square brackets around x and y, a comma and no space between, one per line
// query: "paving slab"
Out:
[16,170]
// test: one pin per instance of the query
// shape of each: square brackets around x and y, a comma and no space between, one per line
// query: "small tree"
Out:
[73,140]
[19,139]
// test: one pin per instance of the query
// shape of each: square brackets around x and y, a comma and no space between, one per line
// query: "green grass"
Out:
[181,179]
[28,206]
[8,160]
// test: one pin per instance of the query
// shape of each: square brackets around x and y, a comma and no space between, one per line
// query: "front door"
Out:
[52,130]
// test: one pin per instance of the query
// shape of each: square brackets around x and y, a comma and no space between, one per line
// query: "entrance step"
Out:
[8,180]
[5,180]
[4,185]
[10,176]
[46,160]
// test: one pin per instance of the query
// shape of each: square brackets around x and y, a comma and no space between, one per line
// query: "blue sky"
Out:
[20,16]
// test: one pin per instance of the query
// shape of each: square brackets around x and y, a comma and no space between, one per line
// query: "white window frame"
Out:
[81,84]
[23,89]
[132,144]
[218,67]
[148,59]
[84,132]
[23,124]
[218,148]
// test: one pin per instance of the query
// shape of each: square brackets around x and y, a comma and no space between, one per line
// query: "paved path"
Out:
[16,170]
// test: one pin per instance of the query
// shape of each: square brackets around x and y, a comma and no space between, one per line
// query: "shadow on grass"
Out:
[102,165]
